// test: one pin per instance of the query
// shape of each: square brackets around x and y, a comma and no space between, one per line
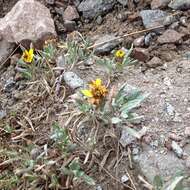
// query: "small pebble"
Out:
[99,20]
[183,21]
[124,179]
[187,131]
[177,149]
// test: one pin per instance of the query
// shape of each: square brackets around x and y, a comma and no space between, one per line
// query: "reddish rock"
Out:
[154,62]
[170,36]
[140,54]
[159,4]
[29,20]
[70,13]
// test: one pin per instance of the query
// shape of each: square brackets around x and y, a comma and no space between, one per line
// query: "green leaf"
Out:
[127,107]
[174,184]
[116,120]
[158,182]
[89,180]
[133,132]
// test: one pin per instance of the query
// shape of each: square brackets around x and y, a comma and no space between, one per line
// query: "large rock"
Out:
[28,20]
[170,36]
[5,50]
[106,43]
[92,8]
[153,18]
[70,13]
[159,4]
[165,165]
[180,4]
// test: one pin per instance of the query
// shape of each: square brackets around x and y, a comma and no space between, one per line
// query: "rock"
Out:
[149,38]
[70,26]
[177,149]
[170,110]
[99,20]
[5,50]
[123,2]
[140,54]
[183,21]
[153,18]
[107,43]
[9,85]
[170,36]
[154,62]
[28,20]
[99,187]
[174,137]
[89,62]
[124,179]
[139,42]
[91,8]
[73,80]
[126,139]
[188,162]
[175,25]
[159,4]
[2,114]
[50,2]
[180,4]
[70,13]
[60,61]
[152,164]
[187,131]
[169,20]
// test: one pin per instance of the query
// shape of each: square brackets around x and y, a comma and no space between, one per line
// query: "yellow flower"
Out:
[120,54]
[96,92]
[28,56]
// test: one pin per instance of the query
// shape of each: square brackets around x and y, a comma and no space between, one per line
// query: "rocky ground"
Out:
[28,109]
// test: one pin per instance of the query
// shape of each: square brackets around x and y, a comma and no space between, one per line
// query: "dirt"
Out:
[167,84]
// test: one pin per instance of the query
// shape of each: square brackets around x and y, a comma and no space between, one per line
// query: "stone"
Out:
[70,13]
[9,85]
[187,131]
[140,54]
[139,42]
[28,20]
[2,114]
[169,20]
[5,50]
[153,18]
[177,149]
[184,21]
[124,179]
[91,8]
[60,61]
[70,25]
[154,62]
[50,2]
[106,43]
[152,164]
[188,162]
[99,20]
[126,139]
[99,187]
[73,80]
[180,4]
[159,4]
[170,36]
[149,38]
[123,2]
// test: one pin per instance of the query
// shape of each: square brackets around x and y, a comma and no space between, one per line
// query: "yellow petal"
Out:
[31,51]
[87,93]
[98,82]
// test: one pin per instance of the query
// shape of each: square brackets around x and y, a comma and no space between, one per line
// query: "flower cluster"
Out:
[28,55]
[96,92]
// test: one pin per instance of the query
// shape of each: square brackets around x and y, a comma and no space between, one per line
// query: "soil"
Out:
[167,84]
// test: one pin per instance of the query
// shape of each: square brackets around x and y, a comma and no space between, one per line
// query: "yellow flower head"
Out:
[120,54]
[96,92]
[28,56]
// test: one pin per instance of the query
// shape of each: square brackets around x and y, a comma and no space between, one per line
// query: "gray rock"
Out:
[152,164]
[50,2]
[183,20]
[177,149]
[28,20]
[123,2]
[70,13]
[60,61]
[159,4]
[170,110]
[92,8]
[73,80]
[2,114]
[106,44]
[99,187]
[99,20]
[154,62]
[124,179]
[126,139]
[169,20]
[5,50]
[70,25]
[139,42]
[9,85]
[153,18]
[187,131]
[179,4]
[149,38]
